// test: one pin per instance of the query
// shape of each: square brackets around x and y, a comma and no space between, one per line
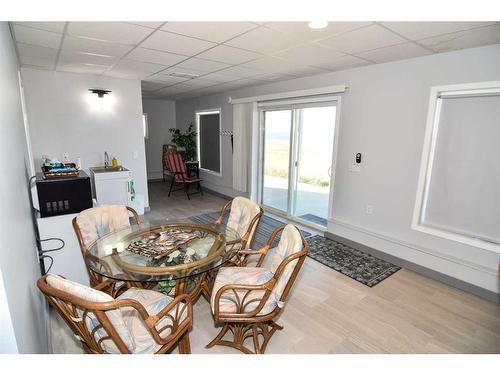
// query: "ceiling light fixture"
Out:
[318,24]
[100,92]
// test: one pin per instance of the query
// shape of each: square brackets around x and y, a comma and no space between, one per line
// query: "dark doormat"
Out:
[359,266]
[266,226]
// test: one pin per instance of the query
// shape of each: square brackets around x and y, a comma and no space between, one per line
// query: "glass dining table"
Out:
[172,257]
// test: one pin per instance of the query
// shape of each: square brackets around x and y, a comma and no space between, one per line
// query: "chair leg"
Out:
[186,189]
[184,344]
[200,189]
[171,186]
[243,331]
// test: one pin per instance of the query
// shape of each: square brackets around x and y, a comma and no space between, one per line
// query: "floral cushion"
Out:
[290,243]
[153,302]
[97,221]
[242,276]
[91,321]
[243,210]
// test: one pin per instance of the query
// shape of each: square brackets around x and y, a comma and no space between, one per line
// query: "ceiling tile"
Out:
[174,89]
[264,40]
[76,44]
[200,82]
[120,32]
[151,25]
[81,68]
[57,27]
[392,53]
[202,65]
[270,64]
[154,56]
[309,54]
[464,39]
[344,62]
[364,39]
[421,30]
[139,66]
[271,77]
[166,79]
[178,69]
[174,43]
[134,69]
[36,55]
[37,37]
[151,85]
[236,72]
[212,31]
[68,58]
[301,32]
[229,55]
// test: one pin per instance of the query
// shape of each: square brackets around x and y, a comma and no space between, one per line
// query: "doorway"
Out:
[297,159]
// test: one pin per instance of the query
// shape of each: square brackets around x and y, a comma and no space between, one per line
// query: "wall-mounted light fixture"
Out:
[99,100]
[100,92]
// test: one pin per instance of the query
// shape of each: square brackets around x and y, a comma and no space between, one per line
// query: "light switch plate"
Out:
[355,167]
[65,157]
[136,155]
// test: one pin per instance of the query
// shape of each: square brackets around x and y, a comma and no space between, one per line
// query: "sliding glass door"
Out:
[298,152]
[276,160]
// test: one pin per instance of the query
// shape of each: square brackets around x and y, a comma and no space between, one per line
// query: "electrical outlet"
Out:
[136,155]
[369,209]
[65,157]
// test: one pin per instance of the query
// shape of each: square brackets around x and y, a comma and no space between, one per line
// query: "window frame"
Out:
[427,160]
[199,113]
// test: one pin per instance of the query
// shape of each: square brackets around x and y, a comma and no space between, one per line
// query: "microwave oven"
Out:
[63,195]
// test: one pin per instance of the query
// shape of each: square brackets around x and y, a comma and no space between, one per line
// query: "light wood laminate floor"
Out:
[331,313]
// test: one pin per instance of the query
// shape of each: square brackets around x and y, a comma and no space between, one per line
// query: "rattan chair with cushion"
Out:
[139,321]
[246,300]
[93,223]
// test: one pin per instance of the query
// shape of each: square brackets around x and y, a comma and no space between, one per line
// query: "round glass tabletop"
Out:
[162,251]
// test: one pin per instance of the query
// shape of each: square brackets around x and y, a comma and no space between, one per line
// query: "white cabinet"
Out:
[111,185]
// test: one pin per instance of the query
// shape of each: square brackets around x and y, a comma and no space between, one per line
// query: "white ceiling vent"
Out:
[184,75]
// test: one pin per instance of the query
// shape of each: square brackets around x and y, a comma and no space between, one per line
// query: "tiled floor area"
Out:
[328,312]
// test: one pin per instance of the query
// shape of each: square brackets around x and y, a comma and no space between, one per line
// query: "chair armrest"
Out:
[218,221]
[173,312]
[242,302]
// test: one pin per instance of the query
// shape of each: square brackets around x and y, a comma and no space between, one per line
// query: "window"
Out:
[209,141]
[458,196]
[145,125]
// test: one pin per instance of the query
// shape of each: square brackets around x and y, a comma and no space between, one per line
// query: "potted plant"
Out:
[185,142]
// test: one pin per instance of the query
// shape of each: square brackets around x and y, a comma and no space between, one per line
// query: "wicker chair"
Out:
[247,299]
[95,222]
[139,321]
[244,218]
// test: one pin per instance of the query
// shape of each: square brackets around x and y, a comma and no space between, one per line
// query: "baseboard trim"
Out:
[216,193]
[435,275]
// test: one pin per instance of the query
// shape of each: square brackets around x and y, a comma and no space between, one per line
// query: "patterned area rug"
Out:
[357,265]
[266,226]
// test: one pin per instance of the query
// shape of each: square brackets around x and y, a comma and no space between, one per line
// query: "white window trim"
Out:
[212,111]
[438,92]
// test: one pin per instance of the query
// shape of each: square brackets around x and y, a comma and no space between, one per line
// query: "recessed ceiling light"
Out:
[318,24]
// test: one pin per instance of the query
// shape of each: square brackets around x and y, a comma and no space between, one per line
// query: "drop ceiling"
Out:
[178,60]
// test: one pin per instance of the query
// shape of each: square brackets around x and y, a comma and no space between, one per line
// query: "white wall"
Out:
[161,117]
[383,116]
[185,114]
[62,120]
[18,257]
